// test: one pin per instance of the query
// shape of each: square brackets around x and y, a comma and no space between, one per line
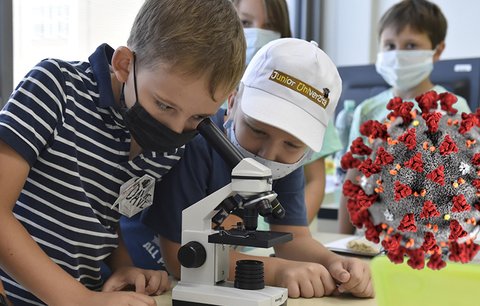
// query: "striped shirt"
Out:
[62,119]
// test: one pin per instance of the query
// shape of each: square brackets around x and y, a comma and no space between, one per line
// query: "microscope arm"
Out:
[198,217]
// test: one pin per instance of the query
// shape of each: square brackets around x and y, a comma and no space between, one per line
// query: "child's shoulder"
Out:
[376,102]
[57,67]
[53,63]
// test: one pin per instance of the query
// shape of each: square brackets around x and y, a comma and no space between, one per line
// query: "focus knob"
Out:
[192,254]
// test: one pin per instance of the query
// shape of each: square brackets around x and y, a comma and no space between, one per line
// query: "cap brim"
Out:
[282,114]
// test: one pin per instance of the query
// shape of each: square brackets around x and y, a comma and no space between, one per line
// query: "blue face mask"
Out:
[257,38]
[279,170]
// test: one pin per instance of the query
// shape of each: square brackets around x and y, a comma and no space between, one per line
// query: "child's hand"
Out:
[148,282]
[120,299]
[304,279]
[353,275]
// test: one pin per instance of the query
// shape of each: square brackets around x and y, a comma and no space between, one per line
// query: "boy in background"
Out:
[411,38]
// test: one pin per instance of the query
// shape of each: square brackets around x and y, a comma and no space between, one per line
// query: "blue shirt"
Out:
[63,120]
[200,172]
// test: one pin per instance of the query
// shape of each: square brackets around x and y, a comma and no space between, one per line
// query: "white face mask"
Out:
[257,38]
[279,170]
[405,69]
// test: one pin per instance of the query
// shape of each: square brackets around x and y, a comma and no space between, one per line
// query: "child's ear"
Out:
[122,62]
[438,51]
[231,104]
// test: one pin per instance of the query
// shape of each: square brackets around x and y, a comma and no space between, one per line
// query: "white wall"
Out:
[67,29]
[350,29]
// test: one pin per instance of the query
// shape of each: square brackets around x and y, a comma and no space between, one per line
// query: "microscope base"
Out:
[225,294]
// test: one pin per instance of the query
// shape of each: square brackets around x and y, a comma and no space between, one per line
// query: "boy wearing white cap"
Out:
[279,116]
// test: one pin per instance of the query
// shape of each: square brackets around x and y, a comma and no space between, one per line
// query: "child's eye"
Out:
[411,46]
[292,145]
[389,47]
[257,131]
[199,118]
[246,23]
[163,106]
[252,128]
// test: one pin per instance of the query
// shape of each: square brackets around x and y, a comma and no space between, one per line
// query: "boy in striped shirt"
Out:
[83,142]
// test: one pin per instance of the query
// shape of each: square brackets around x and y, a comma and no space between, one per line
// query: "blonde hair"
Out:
[196,37]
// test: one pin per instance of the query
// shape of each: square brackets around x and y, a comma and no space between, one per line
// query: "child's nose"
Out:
[268,151]
[177,125]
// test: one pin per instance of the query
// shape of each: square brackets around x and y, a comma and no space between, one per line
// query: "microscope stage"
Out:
[259,239]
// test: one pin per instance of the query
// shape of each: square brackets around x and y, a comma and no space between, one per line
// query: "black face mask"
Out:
[149,133]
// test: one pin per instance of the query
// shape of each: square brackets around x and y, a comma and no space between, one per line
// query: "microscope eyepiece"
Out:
[219,142]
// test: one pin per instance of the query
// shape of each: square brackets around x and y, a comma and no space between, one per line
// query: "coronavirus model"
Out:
[419,184]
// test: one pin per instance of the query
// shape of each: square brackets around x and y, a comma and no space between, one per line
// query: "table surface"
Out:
[166,299]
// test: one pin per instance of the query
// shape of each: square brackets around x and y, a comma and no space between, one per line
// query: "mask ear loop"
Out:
[135,75]
[122,97]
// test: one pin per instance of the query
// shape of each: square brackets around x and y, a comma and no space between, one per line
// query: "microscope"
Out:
[204,254]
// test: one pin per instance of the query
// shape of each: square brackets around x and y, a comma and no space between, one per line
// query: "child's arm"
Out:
[20,256]
[169,250]
[25,261]
[119,257]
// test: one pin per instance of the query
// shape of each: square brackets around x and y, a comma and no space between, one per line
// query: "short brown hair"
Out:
[197,37]
[421,15]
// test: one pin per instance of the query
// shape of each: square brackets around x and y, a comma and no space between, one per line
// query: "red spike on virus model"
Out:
[419,187]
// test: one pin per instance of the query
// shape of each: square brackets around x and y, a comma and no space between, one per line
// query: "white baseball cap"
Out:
[293,85]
